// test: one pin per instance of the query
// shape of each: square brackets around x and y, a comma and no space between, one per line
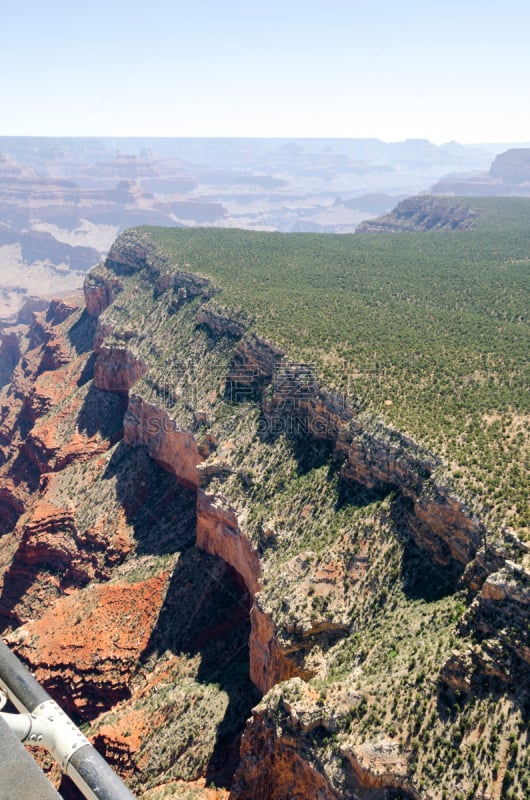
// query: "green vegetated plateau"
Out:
[428,331]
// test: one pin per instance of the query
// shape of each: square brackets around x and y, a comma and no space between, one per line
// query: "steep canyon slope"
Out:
[241,564]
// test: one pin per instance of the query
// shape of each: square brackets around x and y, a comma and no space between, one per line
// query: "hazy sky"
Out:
[457,69]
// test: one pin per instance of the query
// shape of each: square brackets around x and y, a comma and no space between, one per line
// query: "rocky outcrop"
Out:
[380,767]
[117,368]
[174,449]
[382,458]
[512,166]
[277,759]
[269,663]
[50,537]
[297,406]
[220,322]
[498,621]
[487,560]
[386,460]
[500,613]
[104,328]
[100,289]
[43,331]
[275,764]
[184,285]
[219,534]
[103,631]
[423,214]
[56,353]
[61,308]
[443,526]
[254,363]
[131,254]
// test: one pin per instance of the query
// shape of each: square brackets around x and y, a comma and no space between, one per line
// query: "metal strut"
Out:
[42,723]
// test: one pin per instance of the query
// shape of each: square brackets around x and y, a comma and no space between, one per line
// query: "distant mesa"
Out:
[64,200]
[513,167]
[424,213]
[508,175]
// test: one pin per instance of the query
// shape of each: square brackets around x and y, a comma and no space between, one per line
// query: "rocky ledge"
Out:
[306,577]
[292,403]
[423,214]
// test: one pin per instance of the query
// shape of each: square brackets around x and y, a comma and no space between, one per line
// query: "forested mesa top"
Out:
[426,330]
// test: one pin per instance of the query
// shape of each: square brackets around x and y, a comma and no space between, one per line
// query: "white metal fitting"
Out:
[49,727]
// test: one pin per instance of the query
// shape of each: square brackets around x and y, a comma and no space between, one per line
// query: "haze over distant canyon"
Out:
[63,201]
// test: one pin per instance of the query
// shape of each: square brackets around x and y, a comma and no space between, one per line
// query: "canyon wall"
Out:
[68,566]
[293,403]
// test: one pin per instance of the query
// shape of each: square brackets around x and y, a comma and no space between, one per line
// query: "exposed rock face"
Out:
[380,765]
[382,459]
[513,166]
[46,426]
[103,632]
[219,534]
[487,560]
[176,450]
[220,322]
[133,258]
[104,599]
[104,328]
[457,672]
[297,406]
[254,362]
[442,525]
[269,663]
[51,539]
[422,214]
[100,291]
[184,285]
[272,766]
[387,460]
[59,310]
[501,612]
[294,713]
[117,369]
[498,619]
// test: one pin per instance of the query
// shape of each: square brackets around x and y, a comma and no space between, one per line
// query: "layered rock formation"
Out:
[513,166]
[508,175]
[422,214]
[62,533]
[498,621]
[332,563]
